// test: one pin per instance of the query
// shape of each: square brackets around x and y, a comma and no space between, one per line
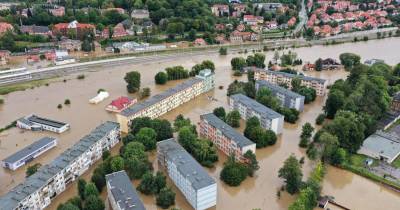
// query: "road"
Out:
[303,18]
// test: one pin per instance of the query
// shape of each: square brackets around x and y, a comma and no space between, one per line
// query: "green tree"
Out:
[251,123]
[146,186]
[233,173]
[335,102]
[307,130]
[223,51]
[186,138]
[296,84]
[93,203]
[90,190]
[165,198]
[220,113]
[161,78]
[133,80]
[144,92]
[292,174]
[148,137]
[348,60]
[81,188]
[86,46]
[320,119]
[238,63]
[76,201]
[67,206]
[233,118]
[318,64]
[160,181]
[32,169]
[252,164]
[117,164]
[181,121]
[309,94]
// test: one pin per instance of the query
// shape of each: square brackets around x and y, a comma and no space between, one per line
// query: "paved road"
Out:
[303,18]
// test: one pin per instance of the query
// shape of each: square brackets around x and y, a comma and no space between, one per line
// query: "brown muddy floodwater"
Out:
[348,189]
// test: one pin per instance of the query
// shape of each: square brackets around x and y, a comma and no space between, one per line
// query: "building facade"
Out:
[275,77]
[38,190]
[247,107]
[395,104]
[287,98]
[29,153]
[227,139]
[199,189]
[168,100]
[121,194]
[35,123]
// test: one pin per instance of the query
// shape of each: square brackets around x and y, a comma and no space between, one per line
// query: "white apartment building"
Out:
[38,190]
[121,193]
[276,77]
[29,153]
[247,107]
[168,100]
[287,97]
[199,189]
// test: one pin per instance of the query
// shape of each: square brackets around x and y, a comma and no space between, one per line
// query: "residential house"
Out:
[36,30]
[4,27]
[120,104]
[238,10]
[118,31]
[224,137]
[57,11]
[74,28]
[4,57]
[381,145]
[238,37]
[117,9]
[395,105]
[200,42]
[70,45]
[220,10]
[247,107]
[140,14]
[292,22]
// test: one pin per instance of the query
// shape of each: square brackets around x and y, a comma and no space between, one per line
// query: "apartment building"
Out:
[36,123]
[287,97]
[227,139]
[199,189]
[168,100]
[276,77]
[247,107]
[121,193]
[29,153]
[38,190]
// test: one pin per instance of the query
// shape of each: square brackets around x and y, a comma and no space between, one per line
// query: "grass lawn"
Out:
[396,162]
[19,87]
[358,160]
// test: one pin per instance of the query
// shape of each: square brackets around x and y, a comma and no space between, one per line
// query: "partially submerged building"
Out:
[199,189]
[381,145]
[29,153]
[247,107]
[277,78]
[168,100]
[224,137]
[121,193]
[287,97]
[38,190]
[36,123]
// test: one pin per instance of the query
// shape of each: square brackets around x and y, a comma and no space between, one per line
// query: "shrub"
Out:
[67,102]
[59,106]
[81,76]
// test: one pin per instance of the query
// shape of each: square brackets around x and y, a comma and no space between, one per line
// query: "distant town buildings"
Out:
[73,29]
[38,190]
[220,10]
[247,107]
[70,45]
[36,123]
[287,97]
[395,105]
[4,57]
[36,30]
[224,137]
[168,100]
[140,14]
[382,146]
[121,194]
[29,153]
[199,189]
[373,61]
[277,78]
[4,27]
[118,31]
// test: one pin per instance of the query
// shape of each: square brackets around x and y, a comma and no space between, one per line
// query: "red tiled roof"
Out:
[121,102]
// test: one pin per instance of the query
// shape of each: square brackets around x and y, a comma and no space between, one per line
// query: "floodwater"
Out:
[260,191]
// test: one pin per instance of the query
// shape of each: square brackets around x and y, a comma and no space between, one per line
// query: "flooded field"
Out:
[348,189]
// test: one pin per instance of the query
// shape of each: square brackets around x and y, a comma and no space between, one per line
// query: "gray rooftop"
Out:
[159,97]
[33,183]
[227,130]
[185,163]
[123,191]
[256,106]
[34,29]
[306,78]
[279,89]
[45,121]
[386,144]
[29,150]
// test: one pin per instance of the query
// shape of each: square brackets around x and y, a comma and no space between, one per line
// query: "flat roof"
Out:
[45,173]
[123,191]
[227,130]
[45,121]
[278,89]
[303,77]
[159,97]
[30,149]
[187,166]
[383,143]
[256,106]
